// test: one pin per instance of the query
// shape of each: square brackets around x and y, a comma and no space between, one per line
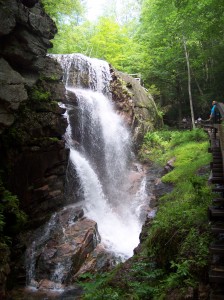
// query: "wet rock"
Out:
[99,260]
[61,247]
[169,165]
[136,175]
[162,188]
[49,285]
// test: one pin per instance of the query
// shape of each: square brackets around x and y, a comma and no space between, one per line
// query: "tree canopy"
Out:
[63,10]
[171,43]
[165,25]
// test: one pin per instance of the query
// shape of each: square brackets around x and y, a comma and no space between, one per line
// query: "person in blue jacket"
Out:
[214,118]
[213,112]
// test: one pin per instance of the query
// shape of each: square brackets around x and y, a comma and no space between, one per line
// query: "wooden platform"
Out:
[217,247]
[215,213]
[216,275]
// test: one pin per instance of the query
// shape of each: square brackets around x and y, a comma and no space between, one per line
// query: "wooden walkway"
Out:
[216,212]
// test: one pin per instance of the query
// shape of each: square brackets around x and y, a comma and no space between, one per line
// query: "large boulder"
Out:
[135,104]
[57,250]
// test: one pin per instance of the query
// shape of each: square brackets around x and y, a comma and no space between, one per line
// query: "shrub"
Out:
[11,217]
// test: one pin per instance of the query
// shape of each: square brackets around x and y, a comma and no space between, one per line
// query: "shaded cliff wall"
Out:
[33,157]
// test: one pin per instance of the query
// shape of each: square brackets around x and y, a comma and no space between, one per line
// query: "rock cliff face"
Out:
[31,122]
[135,105]
[33,157]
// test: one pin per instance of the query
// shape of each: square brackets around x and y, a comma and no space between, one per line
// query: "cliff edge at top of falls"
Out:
[135,104]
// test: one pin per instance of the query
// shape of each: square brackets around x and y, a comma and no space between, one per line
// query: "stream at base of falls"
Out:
[70,293]
[106,190]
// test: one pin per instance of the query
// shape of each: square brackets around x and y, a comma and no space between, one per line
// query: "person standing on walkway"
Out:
[213,118]
[213,113]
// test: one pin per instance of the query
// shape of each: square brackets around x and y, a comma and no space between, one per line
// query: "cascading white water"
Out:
[102,156]
[106,135]
[118,227]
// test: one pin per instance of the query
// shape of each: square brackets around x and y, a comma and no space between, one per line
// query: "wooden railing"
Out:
[220,128]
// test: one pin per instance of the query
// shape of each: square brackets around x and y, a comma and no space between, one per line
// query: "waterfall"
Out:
[106,199]
[100,154]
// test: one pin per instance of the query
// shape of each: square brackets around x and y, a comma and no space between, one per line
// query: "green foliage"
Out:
[61,9]
[139,283]
[156,144]
[106,39]
[73,38]
[163,27]
[188,159]
[96,288]
[111,42]
[12,218]
[38,95]
[179,236]
[14,136]
[197,135]
[145,277]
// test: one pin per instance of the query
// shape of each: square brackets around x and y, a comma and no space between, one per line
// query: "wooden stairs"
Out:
[216,217]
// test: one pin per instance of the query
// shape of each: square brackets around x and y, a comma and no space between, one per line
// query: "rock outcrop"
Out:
[60,247]
[31,121]
[25,37]
[135,104]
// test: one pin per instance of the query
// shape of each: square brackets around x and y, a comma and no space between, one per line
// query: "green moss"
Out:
[44,141]
[52,77]
[38,95]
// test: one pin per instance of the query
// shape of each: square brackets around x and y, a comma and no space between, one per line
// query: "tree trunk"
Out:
[189,82]
[198,86]
[179,104]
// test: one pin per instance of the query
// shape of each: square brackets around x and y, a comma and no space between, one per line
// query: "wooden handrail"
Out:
[220,128]
[220,107]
